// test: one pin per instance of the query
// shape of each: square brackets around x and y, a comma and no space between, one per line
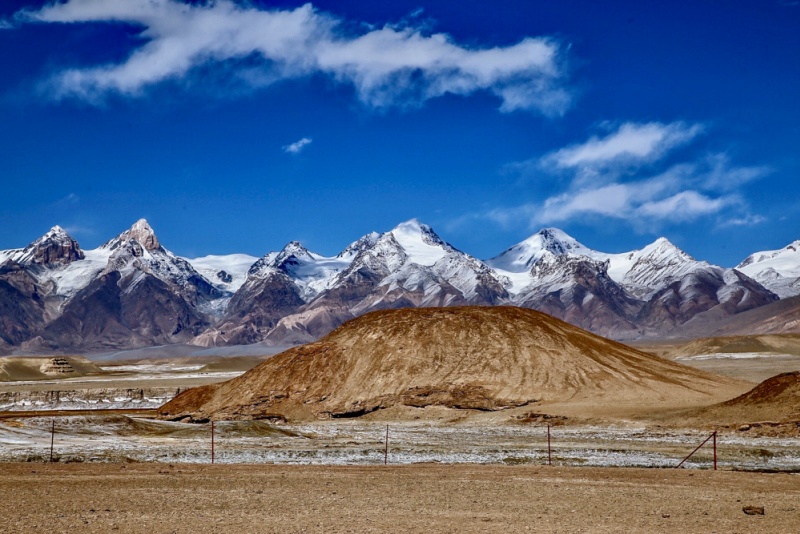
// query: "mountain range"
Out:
[133,292]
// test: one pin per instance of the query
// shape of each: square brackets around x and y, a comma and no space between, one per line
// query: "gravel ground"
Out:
[411,498]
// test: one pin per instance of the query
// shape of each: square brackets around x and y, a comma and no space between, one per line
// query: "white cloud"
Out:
[606,181]
[5,25]
[297,146]
[388,66]
[630,143]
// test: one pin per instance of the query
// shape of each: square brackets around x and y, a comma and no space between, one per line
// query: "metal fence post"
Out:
[52,439]
[386,448]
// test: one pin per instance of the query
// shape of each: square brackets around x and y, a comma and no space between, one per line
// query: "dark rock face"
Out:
[103,315]
[584,295]
[701,296]
[56,248]
[258,306]
[21,307]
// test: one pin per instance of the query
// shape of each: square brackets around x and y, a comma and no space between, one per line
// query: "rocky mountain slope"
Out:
[129,292]
[133,292]
[481,358]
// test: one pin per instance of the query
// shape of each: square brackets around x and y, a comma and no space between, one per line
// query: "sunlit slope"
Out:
[484,358]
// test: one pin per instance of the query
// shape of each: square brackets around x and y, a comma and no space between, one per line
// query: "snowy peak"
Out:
[664,248]
[419,242]
[140,232]
[778,270]
[54,248]
[522,256]
[292,255]
[657,265]
[354,248]
[787,258]
[286,260]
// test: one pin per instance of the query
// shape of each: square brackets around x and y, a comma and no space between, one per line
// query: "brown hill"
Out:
[776,399]
[483,358]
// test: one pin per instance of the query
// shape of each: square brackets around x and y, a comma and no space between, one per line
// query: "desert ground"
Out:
[118,469]
[418,498]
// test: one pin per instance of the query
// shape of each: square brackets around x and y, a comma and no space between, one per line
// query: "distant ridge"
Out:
[132,292]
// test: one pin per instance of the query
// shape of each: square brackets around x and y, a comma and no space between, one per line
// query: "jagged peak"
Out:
[294,247]
[663,246]
[56,247]
[411,225]
[362,243]
[141,232]
[523,255]
[412,230]
[55,233]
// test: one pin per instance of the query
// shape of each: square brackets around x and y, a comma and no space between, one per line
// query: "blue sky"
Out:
[236,127]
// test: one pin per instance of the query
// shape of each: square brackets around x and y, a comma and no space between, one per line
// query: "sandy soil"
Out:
[419,498]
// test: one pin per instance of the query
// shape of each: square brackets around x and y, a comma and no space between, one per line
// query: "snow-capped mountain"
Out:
[655,289]
[777,270]
[132,291]
[408,266]
[54,248]
[411,262]
[639,272]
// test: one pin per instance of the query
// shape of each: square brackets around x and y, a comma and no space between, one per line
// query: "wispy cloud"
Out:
[6,25]
[611,177]
[629,143]
[395,65]
[297,146]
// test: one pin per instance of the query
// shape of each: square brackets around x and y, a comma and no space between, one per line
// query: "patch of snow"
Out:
[215,268]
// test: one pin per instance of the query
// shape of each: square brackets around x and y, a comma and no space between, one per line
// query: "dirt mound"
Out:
[480,358]
[775,400]
[14,368]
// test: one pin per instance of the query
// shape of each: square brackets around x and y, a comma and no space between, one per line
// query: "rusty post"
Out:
[715,450]
[52,439]
[386,447]
[212,442]
[714,435]
[549,449]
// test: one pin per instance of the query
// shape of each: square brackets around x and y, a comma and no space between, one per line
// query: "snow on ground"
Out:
[732,356]
[121,438]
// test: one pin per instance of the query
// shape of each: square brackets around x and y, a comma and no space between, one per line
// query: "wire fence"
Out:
[123,438]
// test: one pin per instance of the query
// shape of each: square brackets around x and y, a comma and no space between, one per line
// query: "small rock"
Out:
[744,428]
[665,516]
[753,510]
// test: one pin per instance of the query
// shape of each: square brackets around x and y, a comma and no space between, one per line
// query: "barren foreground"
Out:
[417,498]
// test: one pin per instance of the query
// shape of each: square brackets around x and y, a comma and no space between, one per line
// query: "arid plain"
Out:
[451,466]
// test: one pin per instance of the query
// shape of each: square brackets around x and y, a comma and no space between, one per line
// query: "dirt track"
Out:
[418,498]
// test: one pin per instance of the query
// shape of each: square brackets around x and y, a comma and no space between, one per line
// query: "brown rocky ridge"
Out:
[773,402]
[476,358]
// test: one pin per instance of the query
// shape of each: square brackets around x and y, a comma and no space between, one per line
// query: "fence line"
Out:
[714,436]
